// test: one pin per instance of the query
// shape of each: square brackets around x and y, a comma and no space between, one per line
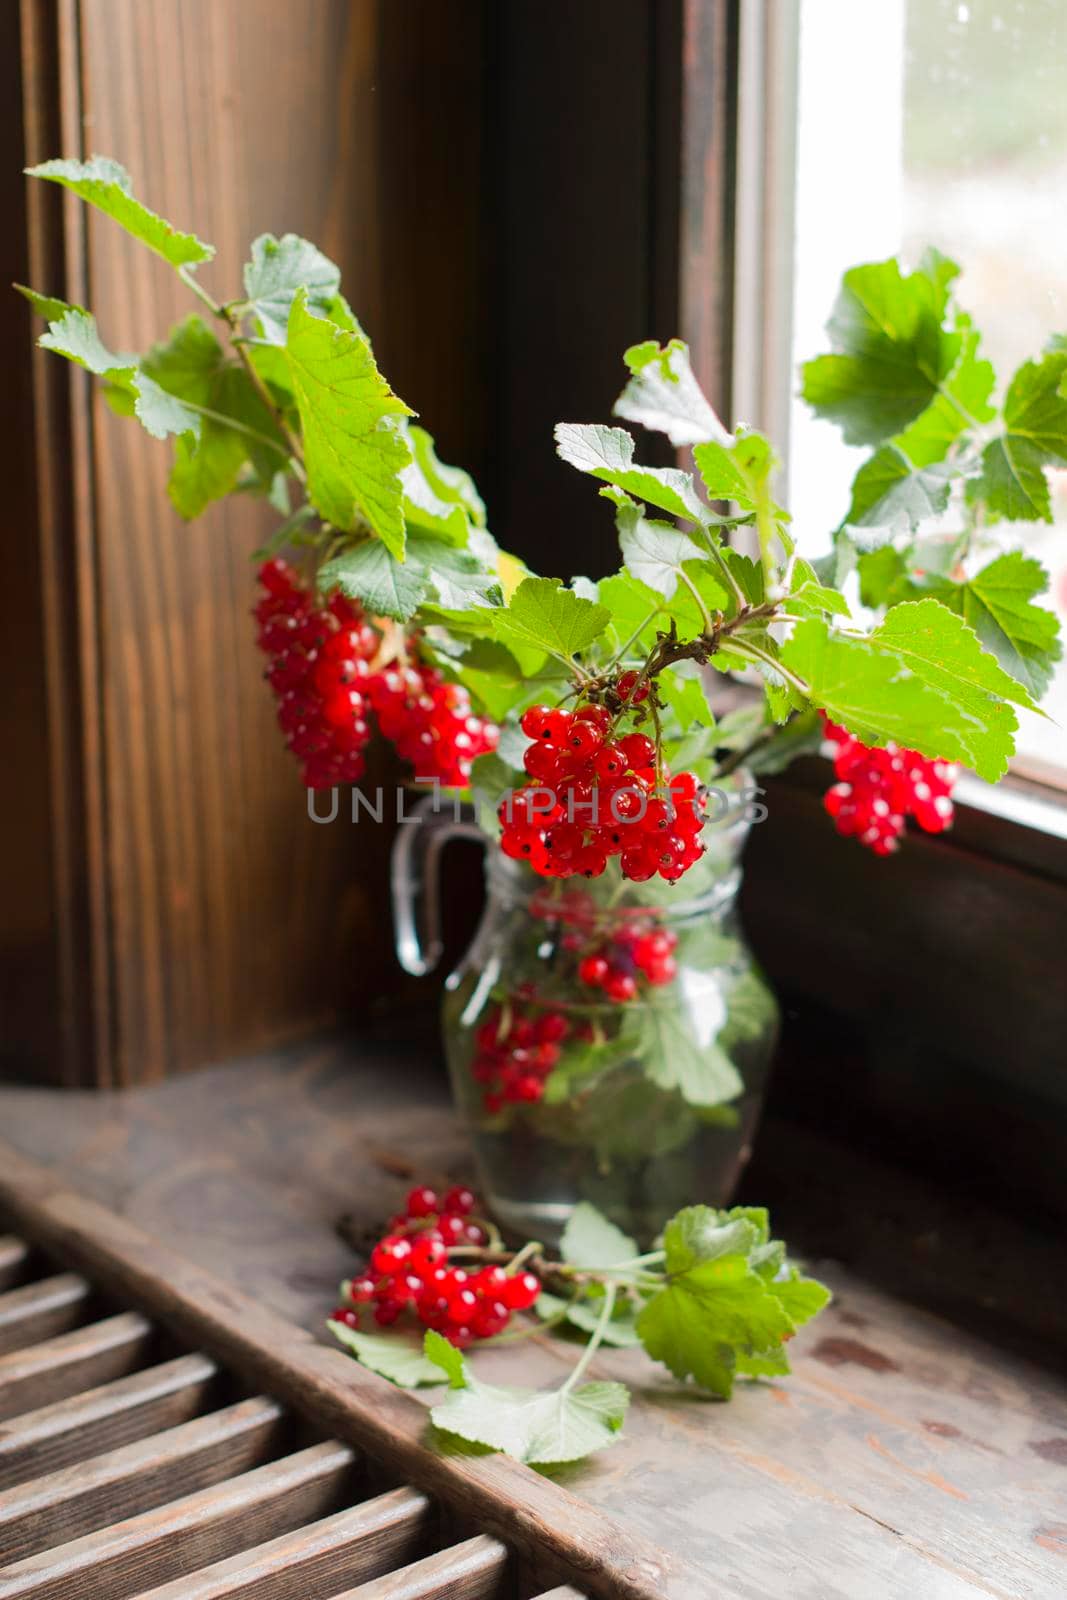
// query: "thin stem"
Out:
[754,653]
[717,555]
[238,427]
[231,318]
[633,638]
[606,1314]
[705,614]
[529,1249]
[191,281]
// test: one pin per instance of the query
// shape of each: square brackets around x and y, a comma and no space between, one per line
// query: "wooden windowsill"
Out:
[907,1455]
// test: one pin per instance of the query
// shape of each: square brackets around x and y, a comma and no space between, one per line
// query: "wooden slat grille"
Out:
[182,1442]
[128,1477]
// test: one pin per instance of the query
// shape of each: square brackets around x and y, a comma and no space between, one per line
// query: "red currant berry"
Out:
[346,1316]
[520,1291]
[391,1255]
[619,986]
[422,1201]
[592,971]
[460,1200]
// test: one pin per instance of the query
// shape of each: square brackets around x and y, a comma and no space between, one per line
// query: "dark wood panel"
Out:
[313,1560]
[61,1366]
[41,1310]
[924,992]
[201,1527]
[473,1570]
[104,1418]
[77,1500]
[172,903]
[585,255]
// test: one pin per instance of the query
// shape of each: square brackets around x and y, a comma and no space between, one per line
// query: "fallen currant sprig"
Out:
[716,1301]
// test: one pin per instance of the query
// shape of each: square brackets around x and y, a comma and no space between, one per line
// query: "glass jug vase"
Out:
[607,1041]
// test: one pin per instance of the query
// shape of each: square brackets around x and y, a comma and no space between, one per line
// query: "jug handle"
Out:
[415,881]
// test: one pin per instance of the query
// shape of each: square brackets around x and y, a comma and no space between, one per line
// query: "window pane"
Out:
[934,122]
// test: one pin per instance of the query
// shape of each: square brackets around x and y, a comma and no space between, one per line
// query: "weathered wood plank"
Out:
[64,1505]
[355,1544]
[473,1570]
[59,1367]
[41,1310]
[104,1418]
[200,1528]
[545,1522]
[14,1259]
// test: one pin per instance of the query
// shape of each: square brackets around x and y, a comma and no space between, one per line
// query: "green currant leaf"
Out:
[46,306]
[715,1312]
[685,696]
[385,587]
[664,394]
[608,454]
[960,403]
[997,603]
[277,270]
[397,1356]
[653,552]
[940,648]
[544,614]
[890,492]
[801,1298]
[591,1241]
[885,578]
[636,610]
[1012,480]
[501,684]
[101,182]
[440,498]
[193,367]
[542,1429]
[739,473]
[921,678]
[620,1331]
[457,579]
[890,351]
[353,451]
[809,598]
[75,335]
[700,1071]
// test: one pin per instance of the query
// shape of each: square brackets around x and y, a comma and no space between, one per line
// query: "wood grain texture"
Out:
[42,1309]
[14,1260]
[827,1485]
[706,179]
[173,902]
[205,1526]
[542,1520]
[313,1560]
[104,1418]
[81,1359]
[473,1570]
[79,1499]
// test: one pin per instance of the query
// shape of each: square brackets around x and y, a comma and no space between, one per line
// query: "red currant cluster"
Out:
[319,666]
[591,797]
[880,788]
[516,1053]
[614,967]
[430,722]
[409,1273]
[321,670]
